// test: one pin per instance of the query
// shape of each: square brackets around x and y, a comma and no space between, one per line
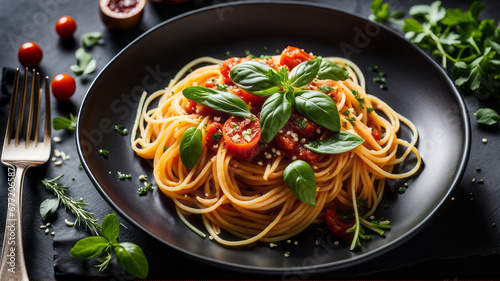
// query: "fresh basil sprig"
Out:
[299,178]
[337,143]
[262,80]
[128,255]
[218,100]
[190,147]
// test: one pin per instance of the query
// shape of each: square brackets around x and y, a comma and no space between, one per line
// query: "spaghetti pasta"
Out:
[246,194]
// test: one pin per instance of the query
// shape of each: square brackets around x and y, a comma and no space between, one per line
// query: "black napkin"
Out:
[461,228]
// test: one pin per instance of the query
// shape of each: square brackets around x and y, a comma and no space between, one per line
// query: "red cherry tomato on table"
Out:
[241,134]
[339,220]
[65,27]
[292,56]
[63,86]
[30,54]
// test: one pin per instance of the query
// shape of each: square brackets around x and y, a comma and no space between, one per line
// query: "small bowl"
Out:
[121,18]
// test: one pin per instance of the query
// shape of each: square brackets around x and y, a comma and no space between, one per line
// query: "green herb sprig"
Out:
[61,123]
[128,255]
[47,208]
[457,36]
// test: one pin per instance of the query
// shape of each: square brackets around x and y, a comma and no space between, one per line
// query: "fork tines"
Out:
[33,114]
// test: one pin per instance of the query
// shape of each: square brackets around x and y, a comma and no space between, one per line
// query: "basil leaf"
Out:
[304,73]
[90,39]
[190,147]
[330,70]
[110,227]
[318,107]
[89,247]
[132,259]
[337,143]
[218,100]
[86,64]
[275,112]
[487,116]
[299,177]
[59,123]
[254,77]
[48,207]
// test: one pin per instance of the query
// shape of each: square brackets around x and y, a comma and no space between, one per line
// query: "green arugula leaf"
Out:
[86,64]
[89,247]
[487,116]
[132,259]
[60,123]
[218,100]
[275,112]
[337,143]
[299,178]
[254,77]
[110,227]
[190,147]
[90,39]
[48,207]
[319,108]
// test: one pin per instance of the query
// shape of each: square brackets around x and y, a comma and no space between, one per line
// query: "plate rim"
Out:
[463,113]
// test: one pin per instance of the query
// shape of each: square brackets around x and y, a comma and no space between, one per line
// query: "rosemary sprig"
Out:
[76,207]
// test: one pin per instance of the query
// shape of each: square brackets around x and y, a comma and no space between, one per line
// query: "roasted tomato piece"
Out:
[241,134]
[304,127]
[291,147]
[338,220]
[214,134]
[292,56]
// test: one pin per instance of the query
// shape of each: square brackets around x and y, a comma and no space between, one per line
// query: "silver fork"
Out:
[19,154]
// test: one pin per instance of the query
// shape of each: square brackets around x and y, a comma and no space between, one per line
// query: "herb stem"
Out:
[76,207]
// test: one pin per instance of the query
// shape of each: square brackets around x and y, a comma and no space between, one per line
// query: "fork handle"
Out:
[13,266]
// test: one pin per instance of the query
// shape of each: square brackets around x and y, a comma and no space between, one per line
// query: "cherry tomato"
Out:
[247,97]
[292,56]
[65,27]
[214,134]
[339,220]
[63,86]
[226,66]
[376,134]
[241,134]
[30,54]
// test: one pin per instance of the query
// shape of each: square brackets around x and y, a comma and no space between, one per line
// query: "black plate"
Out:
[417,88]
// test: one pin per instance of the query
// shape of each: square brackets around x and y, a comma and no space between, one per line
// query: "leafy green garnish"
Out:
[190,147]
[60,123]
[487,116]
[472,45]
[76,207]
[90,39]
[121,129]
[128,255]
[144,190]
[86,64]
[382,14]
[123,176]
[337,143]
[48,207]
[218,100]
[299,178]
[104,153]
